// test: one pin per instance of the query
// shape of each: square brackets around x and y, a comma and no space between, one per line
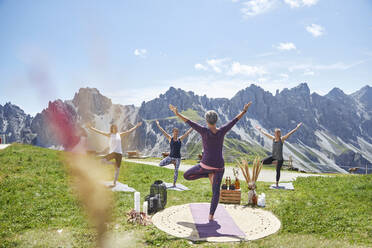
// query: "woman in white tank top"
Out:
[115,151]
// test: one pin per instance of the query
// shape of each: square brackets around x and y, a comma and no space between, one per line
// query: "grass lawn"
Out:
[194,162]
[36,202]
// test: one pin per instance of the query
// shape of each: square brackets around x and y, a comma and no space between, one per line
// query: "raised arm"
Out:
[225,128]
[131,130]
[163,131]
[264,133]
[89,126]
[245,109]
[200,129]
[186,134]
[175,111]
[291,132]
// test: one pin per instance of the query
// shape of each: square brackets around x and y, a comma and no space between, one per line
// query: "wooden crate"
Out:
[230,196]
[133,154]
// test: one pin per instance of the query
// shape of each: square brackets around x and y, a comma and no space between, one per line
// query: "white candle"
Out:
[145,207]
[137,201]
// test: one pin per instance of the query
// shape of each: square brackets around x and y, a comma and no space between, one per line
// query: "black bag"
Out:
[158,197]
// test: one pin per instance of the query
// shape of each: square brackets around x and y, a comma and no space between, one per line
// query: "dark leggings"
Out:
[114,155]
[269,160]
[197,172]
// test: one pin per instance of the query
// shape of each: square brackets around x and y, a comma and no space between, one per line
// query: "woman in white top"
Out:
[116,151]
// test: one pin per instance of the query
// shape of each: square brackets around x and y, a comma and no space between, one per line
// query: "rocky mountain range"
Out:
[336,134]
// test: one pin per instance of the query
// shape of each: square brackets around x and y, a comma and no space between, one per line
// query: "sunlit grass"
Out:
[36,202]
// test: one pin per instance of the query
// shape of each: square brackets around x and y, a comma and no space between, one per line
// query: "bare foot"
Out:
[210,218]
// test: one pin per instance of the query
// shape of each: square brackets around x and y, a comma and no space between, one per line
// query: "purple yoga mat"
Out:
[222,226]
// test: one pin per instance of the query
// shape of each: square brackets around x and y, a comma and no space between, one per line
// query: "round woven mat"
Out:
[254,222]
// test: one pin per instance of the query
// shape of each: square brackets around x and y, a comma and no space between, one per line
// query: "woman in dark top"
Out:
[277,152]
[175,150]
[212,165]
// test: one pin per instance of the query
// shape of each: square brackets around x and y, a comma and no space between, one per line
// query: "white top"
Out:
[115,143]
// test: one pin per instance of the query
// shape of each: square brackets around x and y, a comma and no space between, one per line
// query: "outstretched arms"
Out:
[89,126]
[264,133]
[245,109]
[291,132]
[163,131]
[131,130]
[192,124]
[175,111]
[186,134]
[225,128]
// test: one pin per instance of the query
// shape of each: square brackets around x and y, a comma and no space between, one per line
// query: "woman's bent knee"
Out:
[187,176]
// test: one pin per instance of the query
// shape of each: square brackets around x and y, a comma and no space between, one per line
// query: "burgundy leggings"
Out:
[197,172]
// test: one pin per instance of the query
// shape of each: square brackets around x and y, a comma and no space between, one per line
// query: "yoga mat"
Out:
[222,226]
[119,187]
[285,186]
[179,187]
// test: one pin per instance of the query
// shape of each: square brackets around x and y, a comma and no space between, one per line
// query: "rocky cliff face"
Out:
[336,135]
[56,126]
[87,106]
[15,124]
[337,127]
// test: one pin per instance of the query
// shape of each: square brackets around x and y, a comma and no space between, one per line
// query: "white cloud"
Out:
[200,67]
[315,29]
[310,2]
[265,54]
[310,68]
[309,72]
[300,3]
[284,75]
[286,46]
[256,7]
[140,52]
[293,3]
[262,79]
[227,87]
[213,86]
[226,67]
[135,96]
[217,65]
[247,70]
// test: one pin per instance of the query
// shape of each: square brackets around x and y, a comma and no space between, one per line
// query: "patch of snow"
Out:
[366,149]
[323,142]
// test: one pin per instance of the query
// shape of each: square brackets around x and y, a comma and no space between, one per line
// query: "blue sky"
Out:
[134,50]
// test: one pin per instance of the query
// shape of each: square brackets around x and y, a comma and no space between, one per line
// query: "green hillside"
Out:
[36,201]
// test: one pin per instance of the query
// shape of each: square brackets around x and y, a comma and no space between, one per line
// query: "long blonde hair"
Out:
[113,126]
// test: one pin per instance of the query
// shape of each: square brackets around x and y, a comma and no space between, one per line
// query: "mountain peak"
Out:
[88,90]
[9,106]
[336,92]
[172,90]
[364,95]
[91,100]
[301,89]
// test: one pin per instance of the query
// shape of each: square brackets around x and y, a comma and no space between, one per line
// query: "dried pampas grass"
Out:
[251,179]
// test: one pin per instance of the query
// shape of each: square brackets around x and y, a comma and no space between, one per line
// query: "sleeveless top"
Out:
[277,149]
[175,148]
[115,143]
